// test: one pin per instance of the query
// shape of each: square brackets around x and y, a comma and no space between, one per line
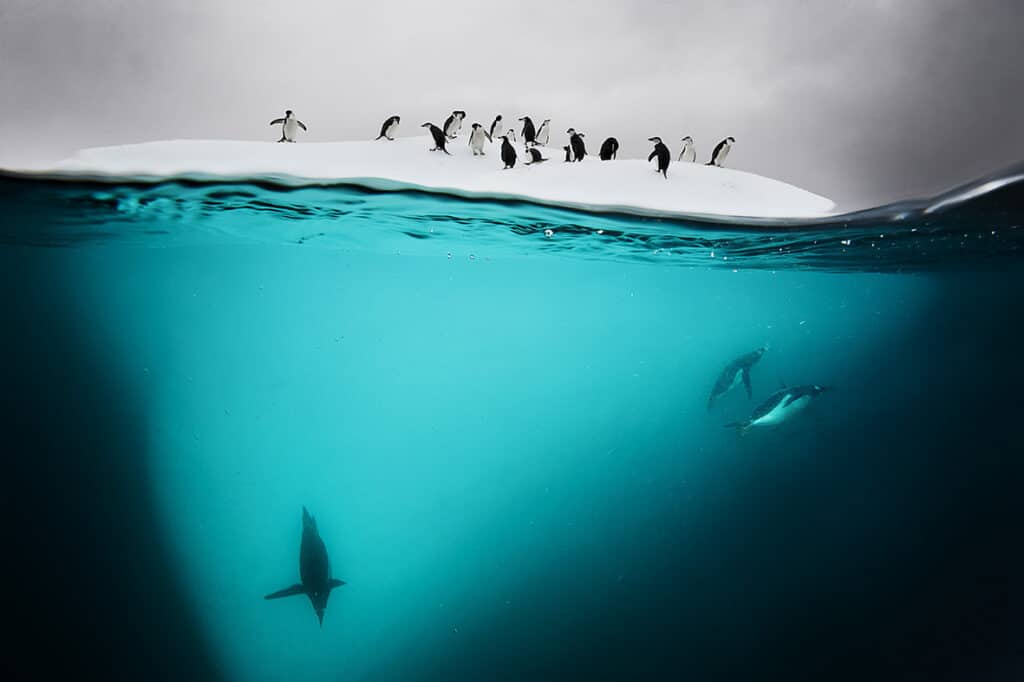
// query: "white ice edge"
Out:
[622,186]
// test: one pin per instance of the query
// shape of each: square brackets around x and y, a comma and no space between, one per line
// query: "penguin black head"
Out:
[687,139]
[475,126]
[498,117]
[570,131]
[287,112]
[398,119]
[731,139]
[655,140]
[426,125]
[547,120]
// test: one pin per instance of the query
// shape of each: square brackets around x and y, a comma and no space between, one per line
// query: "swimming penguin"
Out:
[290,126]
[529,132]
[721,151]
[535,156]
[609,148]
[688,153]
[476,139]
[579,149]
[568,153]
[314,570]
[453,124]
[389,127]
[779,407]
[543,133]
[497,126]
[439,139]
[508,153]
[663,155]
[736,371]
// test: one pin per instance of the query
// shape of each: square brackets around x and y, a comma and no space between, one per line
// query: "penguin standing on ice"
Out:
[529,132]
[662,154]
[721,151]
[535,156]
[389,127]
[289,126]
[543,133]
[688,153]
[508,153]
[609,148]
[476,139]
[579,149]
[439,138]
[453,124]
[497,126]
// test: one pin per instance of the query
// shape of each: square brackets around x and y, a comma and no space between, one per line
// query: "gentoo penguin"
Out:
[290,126]
[529,132]
[735,372]
[497,127]
[508,153]
[543,133]
[535,156]
[688,153]
[609,148]
[476,139]
[579,150]
[314,570]
[389,127]
[661,153]
[568,153]
[721,151]
[779,407]
[453,124]
[439,139]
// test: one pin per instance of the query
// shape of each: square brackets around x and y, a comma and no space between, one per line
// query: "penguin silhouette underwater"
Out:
[314,570]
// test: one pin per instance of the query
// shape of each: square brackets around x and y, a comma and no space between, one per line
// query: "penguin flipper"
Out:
[334,582]
[276,121]
[287,592]
[301,124]
[746,382]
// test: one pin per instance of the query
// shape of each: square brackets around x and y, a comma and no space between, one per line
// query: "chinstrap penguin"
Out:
[609,148]
[453,124]
[508,153]
[688,153]
[579,149]
[497,127]
[439,138]
[535,156]
[735,373]
[529,132]
[314,570]
[662,154]
[389,127]
[543,133]
[721,151]
[289,126]
[477,136]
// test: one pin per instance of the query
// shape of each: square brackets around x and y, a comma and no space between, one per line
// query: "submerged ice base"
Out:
[626,185]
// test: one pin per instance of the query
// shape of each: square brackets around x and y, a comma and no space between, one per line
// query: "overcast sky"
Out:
[863,101]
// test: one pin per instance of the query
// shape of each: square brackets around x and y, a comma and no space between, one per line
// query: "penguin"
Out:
[497,126]
[508,153]
[543,133]
[579,149]
[535,156]
[290,126]
[476,139]
[453,124]
[663,155]
[389,127]
[529,132]
[609,148]
[568,153]
[511,132]
[780,406]
[688,153]
[314,570]
[439,139]
[736,371]
[721,151]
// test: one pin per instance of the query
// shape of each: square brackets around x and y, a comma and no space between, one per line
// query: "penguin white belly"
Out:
[737,379]
[542,137]
[290,128]
[498,128]
[721,156]
[392,129]
[782,412]
[476,141]
[689,154]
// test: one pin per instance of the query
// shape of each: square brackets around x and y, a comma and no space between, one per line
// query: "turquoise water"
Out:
[504,436]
